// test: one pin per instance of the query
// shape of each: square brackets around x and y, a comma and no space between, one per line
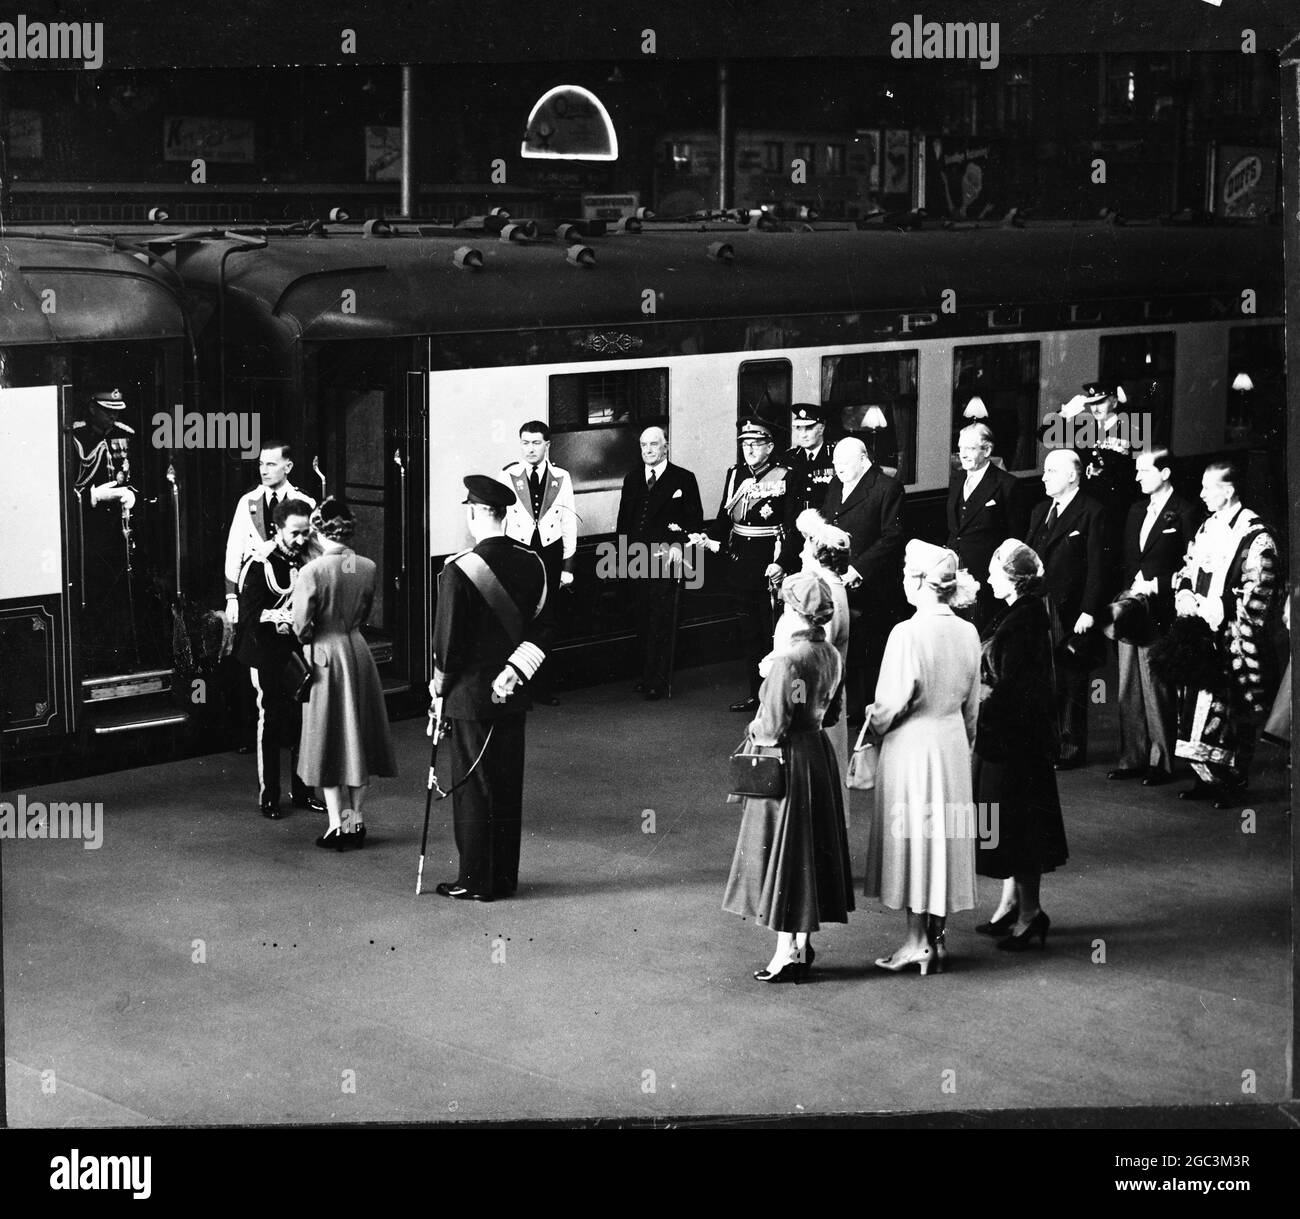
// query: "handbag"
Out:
[863,762]
[298,676]
[758,771]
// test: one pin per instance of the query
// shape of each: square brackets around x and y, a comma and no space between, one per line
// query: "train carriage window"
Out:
[997,384]
[834,158]
[597,418]
[875,397]
[1144,365]
[763,387]
[1256,386]
[773,157]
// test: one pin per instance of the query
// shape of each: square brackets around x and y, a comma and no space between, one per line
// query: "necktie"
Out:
[650,481]
[1051,518]
[1145,531]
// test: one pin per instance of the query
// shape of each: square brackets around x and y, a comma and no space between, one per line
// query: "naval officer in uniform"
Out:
[749,531]
[489,639]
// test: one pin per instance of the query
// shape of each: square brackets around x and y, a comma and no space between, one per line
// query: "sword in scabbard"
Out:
[435,731]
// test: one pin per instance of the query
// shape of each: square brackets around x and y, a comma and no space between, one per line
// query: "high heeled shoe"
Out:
[794,970]
[332,840]
[999,926]
[1038,926]
[923,958]
[937,946]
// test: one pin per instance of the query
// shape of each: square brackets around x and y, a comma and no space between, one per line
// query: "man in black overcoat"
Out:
[489,640]
[1067,530]
[985,508]
[867,504]
[1159,529]
[264,641]
[658,510]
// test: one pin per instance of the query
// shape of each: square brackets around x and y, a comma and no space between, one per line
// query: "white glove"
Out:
[123,495]
[566,578]
[232,609]
[505,683]
[1083,623]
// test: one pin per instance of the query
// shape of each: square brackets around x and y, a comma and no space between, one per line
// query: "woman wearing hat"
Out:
[345,738]
[921,850]
[791,870]
[1015,744]
[826,554]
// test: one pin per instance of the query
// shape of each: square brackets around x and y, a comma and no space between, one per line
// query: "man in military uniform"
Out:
[749,531]
[544,517]
[106,500]
[811,466]
[1109,471]
[264,641]
[489,639]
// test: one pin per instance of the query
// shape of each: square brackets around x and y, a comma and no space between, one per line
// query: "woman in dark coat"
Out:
[345,738]
[791,871]
[1015,747]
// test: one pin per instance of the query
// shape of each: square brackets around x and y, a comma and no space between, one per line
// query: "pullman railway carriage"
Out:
[396,359]
[93,340]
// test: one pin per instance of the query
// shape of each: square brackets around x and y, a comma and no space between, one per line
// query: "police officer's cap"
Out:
[1095,391]
[481,489]
[109,399]
[807,412]
[754,428]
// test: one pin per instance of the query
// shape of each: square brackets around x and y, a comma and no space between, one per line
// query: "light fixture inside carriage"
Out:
[1242,383]
[569,123]
[975,408]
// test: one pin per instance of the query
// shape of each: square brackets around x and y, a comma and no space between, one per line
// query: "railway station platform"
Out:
[207,966]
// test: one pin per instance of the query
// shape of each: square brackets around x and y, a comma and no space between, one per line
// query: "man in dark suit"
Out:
[659,509]
[489,640]
[1156,537]
[264,641]
[867,504]
[1067,531]
[984,509]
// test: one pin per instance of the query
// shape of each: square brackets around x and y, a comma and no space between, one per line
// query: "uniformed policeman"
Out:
[106,501]
[749,530]
[489,639]
[810,461]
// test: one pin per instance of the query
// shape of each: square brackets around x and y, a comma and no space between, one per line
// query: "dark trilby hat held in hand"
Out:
[482,489]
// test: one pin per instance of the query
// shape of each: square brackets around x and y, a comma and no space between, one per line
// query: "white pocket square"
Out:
[991,503]
[1074,533]
[678,493]
[1174,530]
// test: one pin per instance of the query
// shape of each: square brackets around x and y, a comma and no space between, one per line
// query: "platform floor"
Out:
[613,984]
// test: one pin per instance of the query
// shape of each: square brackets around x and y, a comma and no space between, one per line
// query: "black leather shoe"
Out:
[745,704]
[310,803]
[459,892]
[1157,778]
[654,694]
[546,700]
[271,809]
[1125,772]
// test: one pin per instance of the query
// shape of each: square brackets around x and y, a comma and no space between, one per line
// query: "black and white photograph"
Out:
[645,568]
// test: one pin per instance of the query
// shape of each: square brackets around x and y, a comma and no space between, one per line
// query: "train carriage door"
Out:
[35,695]
[371,455]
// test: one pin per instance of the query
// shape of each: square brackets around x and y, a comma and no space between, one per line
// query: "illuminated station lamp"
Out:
[570,123]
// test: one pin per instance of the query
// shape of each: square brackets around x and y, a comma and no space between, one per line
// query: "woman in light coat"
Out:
[921,850]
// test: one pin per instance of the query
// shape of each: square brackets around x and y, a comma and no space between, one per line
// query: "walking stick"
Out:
[672,642]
